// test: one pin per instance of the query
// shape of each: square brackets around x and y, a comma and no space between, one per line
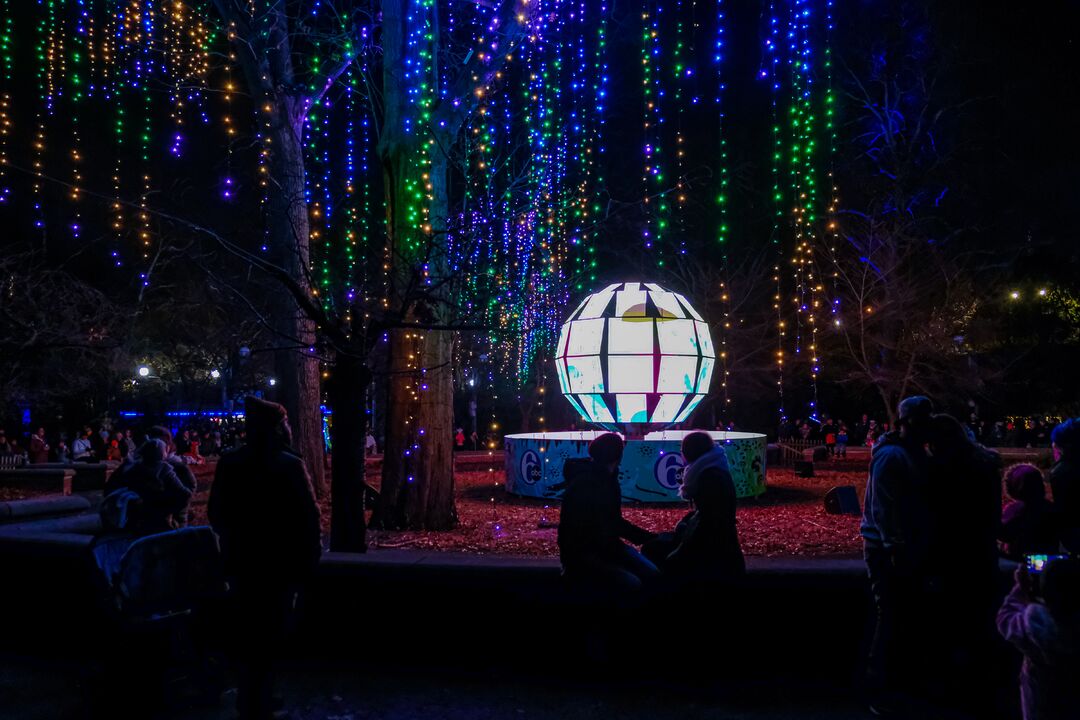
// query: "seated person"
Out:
[1041,618]
[141,497]
[705,544]
[591,525]
[1027,522]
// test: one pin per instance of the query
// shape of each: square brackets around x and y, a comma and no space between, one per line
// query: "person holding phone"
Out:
[1041,618]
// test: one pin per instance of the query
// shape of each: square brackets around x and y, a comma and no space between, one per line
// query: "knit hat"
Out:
[916,407]
[262,416]
[606,448]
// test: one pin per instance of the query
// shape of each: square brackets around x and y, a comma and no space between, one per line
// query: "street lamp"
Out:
[273,382]
[215,373]
[144,371]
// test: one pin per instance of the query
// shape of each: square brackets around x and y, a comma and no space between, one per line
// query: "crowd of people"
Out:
[837,434]
[933,530]
[109,442]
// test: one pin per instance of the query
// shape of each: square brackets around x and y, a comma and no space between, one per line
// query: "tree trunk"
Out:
[346,391]
[296,367]
[418,478]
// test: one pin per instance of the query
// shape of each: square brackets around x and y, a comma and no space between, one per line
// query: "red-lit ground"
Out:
[788,520]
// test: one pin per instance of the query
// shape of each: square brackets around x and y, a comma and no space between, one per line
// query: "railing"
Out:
[11,461]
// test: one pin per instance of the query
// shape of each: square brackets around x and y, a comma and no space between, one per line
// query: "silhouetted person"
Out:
[591,525]
[39,447]
[181,468]
[1028,525]
[1065,482]
[263,509]
[895,539]
[160,494]
[1046,630]
[965,506]
[705,544]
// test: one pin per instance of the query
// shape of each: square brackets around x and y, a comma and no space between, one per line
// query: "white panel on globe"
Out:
[596,409]
[630,374]
[596,305]
[667,304]
[667,408]
[564,381]
[677,337]
[585,337]
[630,303]
[705,340]
[678,374]
[585,374]
[630,337]
[631,409]
[694,402]
[705,374]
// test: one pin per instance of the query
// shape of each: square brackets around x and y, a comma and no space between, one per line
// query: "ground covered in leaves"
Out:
[789,519]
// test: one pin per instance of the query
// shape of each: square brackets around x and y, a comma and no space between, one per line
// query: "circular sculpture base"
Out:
[651,469]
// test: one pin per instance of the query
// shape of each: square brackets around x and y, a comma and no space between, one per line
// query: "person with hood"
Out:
[705,544]
[159,494]
[1028,526]
[1065,482]
[1041,618]
[181,468]
[263,509]
[895,541]
[591,525]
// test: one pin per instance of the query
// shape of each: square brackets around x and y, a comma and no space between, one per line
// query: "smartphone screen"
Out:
[1037,563]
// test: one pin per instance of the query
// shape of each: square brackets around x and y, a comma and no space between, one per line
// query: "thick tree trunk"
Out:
[418,478]
[296,367]
[346,392]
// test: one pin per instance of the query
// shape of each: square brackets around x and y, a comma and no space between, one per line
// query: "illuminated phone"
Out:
[1037,563]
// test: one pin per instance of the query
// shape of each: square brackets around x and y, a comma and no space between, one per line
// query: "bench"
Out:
[88,476]
[51,480]
[39,508]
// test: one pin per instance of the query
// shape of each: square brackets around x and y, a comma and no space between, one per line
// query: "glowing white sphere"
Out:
[635,353]
[144,371]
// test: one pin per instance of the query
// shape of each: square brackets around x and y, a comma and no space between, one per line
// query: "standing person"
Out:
[871,434]
[128,444]
[828,432]
[263,509]
[591,525]
[842,441]
[1028,526]
[459,439]
[183,472]
[895,542]
[63,454]
[1065,482]
[39,447]
[965,485]
[82,449]
[370,446]
[1041,618]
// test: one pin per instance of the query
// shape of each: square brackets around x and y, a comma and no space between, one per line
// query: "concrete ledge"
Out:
[86,524]
[47,479]
[88,476]
[17,510]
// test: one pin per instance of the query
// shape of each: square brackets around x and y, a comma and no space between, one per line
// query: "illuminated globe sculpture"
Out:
[630,356]
[635,353]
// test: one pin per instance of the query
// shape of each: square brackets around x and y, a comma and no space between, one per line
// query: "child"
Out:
[1027,522]
[1047,632]
[841,442]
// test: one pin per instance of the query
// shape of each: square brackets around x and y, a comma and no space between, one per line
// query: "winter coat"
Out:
[1065,483]
[1048,677]
[263,509]
[707,542]
[39,449]
[895,514]
[161,494]
[591,524]
[1028,527]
